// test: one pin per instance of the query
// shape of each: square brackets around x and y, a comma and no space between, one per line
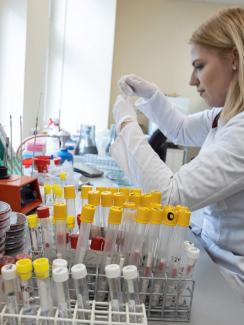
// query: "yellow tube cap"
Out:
[136,198]
[59,211]
[115,215]
[47,189]
[94,198]
[135,190]
[146,200]
[62,176]
[101,188]
[112,189]
[87,213]
[156,205]
[156,216]
[84,191]
[70,222]
[69,192]
[143,215]
[129,205]
[169,215]
[58,191]
[41,268]
[106,199]
[124,190]
[156,196]
[119,199]
[184,215]
[24,269]
[32,221]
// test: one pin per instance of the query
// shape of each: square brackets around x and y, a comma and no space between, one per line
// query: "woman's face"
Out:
[211,74]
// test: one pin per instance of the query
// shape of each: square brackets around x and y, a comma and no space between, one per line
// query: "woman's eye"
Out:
[199,67]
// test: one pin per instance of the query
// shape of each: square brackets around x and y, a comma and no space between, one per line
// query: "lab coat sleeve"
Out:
[216,173]
[186,130]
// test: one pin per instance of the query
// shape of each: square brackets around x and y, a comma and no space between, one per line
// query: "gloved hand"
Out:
[132,85]
[123,111]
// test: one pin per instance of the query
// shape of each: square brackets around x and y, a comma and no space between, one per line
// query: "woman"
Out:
[214,180]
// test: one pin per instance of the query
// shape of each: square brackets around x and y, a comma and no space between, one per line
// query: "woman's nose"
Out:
[193,80]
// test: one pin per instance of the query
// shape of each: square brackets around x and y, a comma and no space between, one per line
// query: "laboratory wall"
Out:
[151,40]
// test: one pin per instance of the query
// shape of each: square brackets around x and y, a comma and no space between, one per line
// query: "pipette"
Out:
[60,277]
[87,217]
[141,228]
[60,214]
[106,203]
[156,216]
[41,268]
[94,199]
[112,272]
[46,231]
[11,290]
[79,275]
[34,235]
[130,275]
[24,271]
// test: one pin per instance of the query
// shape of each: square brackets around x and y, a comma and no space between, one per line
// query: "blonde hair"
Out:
[224,32]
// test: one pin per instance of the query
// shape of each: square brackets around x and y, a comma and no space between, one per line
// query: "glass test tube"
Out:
[60,277]
[86,217]
[24,271]
[84,194]
[48,195]
[60,214]
[57,193]
[94,199]
[41,268]
[45,231]
[113,272]
[79,275]
[34,235]
[69,195]
[11,290]
[106,203]
[130,275]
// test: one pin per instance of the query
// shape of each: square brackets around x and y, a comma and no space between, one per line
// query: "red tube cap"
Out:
[43,212]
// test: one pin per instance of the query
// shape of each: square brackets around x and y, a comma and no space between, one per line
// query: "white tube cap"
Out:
[112,271]
[130,272]
[193,252]
[187,244]
[79,271]
[60,274]
[59,262]
[9,272]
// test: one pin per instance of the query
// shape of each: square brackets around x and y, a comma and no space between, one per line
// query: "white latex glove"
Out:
[123,111]
[132,85]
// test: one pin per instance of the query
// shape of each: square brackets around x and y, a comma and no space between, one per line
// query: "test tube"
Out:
[60,214]
[130,275]
[60,277]
[59,262]
[24,271]
[79,275]
[69,195]
[57,193]
[46,231]
[160,264]
[62,179]
[156,216]
[70,225]
[192,255]
[41,268]
[177,240]
[141,228]
[11,290]
[48,195]
[106,203]
[94,199]
[113,272]
[84,194]
[34,235]
[86,217]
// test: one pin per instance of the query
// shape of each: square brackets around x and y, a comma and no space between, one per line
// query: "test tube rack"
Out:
[100,314]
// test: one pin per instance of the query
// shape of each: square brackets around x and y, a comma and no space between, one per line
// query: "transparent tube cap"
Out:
[60,274]
[130,272]
[9,272]
[112,271]
[79,271]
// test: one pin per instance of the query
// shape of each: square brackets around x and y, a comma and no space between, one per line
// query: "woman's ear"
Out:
[235,63]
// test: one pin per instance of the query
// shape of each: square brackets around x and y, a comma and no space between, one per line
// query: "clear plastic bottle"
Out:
[60,277]
[11,290]
[41,268]
[79,275]
[113,272]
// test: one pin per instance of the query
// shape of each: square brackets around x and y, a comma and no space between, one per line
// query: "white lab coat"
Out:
[214,180]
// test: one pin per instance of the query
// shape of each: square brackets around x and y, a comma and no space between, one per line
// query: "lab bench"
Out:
[214,301]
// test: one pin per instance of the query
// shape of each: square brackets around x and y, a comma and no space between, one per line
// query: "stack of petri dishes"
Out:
[5,212]
[15,236]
